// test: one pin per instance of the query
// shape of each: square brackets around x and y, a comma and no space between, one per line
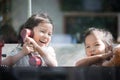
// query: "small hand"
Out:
[27,48]
[32,42]
[106,56]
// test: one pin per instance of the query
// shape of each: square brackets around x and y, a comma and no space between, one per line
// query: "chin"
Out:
[42,44]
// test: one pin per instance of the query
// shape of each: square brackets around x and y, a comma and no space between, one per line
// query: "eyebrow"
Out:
[94,43]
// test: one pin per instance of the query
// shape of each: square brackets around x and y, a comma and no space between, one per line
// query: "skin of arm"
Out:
[11,60]
[88,61]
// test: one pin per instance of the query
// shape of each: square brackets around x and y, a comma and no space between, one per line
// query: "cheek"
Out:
[87,52]
[49,39]
[101,50]
[36,36]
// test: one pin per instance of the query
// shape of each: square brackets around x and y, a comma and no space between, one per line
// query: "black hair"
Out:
[107,37]
[35,19]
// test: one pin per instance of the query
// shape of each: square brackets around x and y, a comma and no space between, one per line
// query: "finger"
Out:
[27,39]
[31,50]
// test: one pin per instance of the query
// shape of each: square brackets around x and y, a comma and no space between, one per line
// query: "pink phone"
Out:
[25,33]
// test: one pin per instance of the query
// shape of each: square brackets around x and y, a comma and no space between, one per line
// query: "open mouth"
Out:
[92,54]
[42,42]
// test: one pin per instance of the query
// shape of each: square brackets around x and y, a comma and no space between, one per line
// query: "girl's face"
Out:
[94,45]
[43,33]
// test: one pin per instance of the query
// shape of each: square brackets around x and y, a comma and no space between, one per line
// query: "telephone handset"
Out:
[26,33]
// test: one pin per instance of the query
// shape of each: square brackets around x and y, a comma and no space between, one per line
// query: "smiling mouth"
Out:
[92,54]
[42,42]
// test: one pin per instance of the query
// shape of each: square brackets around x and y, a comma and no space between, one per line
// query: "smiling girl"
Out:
[35,50]
[99,49]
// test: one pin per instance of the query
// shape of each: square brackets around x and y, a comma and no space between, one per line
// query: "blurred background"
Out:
[70,17]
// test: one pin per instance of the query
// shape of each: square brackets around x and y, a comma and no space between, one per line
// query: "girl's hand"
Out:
[115,60]
[106,56]
[32,43]
[27,47]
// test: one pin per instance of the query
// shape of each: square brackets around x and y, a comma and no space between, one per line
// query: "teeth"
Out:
[42,41]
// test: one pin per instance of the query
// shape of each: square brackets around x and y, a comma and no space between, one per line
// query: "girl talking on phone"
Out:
[35,50]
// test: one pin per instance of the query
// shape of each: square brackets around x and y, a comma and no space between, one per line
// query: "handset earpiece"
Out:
[26,33]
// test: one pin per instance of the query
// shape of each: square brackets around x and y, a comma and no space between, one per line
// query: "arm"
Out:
[11,60]
[48,56]
[88,61]
[17,55]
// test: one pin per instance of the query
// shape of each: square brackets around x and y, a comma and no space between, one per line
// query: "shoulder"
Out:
[50,50]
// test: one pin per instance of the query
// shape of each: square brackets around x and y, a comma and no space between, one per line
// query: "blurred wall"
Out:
[52,7]
[19,13]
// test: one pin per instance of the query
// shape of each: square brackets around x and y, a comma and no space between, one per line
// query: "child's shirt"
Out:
[24,61]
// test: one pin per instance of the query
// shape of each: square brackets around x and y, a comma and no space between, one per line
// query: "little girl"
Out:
[35,50]
[99,49]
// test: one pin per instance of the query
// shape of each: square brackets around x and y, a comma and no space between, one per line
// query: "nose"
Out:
[92,50]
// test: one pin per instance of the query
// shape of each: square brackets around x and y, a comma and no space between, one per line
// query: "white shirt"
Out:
[24,61]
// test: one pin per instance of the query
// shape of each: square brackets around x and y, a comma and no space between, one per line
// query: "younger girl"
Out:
[99,49]
[35,50]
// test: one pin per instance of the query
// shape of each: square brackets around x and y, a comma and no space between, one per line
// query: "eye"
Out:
[42,31]
[97,44]
[50,34]
[87,46]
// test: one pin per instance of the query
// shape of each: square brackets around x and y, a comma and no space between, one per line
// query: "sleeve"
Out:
[14,51]
[23,61]
[52,52]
